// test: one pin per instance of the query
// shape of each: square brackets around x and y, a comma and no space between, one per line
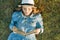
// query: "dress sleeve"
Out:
[12,23]
[39,23]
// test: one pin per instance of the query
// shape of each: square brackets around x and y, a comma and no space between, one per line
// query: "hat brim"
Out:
[19,5]
[25,4]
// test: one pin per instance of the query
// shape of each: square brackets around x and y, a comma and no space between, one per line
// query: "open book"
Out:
[23,33]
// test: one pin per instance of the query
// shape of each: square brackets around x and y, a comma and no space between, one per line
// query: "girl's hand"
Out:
[15,30]
[37,31]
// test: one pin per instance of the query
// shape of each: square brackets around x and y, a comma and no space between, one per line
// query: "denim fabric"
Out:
[25,24]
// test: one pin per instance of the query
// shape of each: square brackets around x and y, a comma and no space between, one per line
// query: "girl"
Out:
[25,24]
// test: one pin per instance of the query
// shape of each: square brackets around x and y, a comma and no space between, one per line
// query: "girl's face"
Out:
[27,9]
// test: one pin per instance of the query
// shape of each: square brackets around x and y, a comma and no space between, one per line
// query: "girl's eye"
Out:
[24,8]
[29,9]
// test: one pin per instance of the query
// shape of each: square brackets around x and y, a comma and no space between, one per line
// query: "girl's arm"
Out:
[39,25]
[12,25]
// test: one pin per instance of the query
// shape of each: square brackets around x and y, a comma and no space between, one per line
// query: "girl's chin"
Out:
[27,15]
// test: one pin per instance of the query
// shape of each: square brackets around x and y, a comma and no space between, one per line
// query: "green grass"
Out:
[51,18]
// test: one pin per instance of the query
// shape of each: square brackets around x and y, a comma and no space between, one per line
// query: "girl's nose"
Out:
[27,10]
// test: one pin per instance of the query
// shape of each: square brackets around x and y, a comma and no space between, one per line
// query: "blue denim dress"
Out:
[26,24]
